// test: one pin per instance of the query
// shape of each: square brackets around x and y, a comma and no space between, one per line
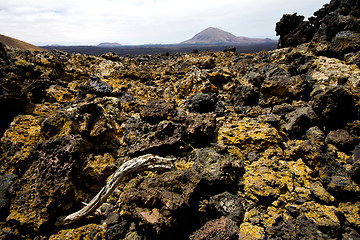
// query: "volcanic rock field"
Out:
[262,145]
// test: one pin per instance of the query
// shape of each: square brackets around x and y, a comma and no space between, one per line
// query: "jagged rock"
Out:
[299,228]
[352,58]
[351,213]
[335,106]
[331,72]
[220,76]
[345,42]
[228,205]
[48,185]
[342,186]
[299,120]
[217,168]
[293,30]
[167,136]
[350,234]
[249,133]
[323,216]
[95,86]
[264,184]
[245,95]
[5,183]
[255,232]
[354,171]
[18,140]
[91,231]
[315,136]
[341,139]
[36,90]
[320,193]
[163,202]
[3,55]
[97,168]
[60,94]
[197,81]
[202,102]
[117,231]
[11,104]
[222,228]
[201,128]
[111,56]
[283,109]
[207,64]
[157,110]
[333,31]
[112,218]
[275,90]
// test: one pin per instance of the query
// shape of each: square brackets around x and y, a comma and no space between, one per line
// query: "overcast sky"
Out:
[90,22]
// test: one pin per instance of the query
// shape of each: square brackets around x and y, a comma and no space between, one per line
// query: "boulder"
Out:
[157,110]
[47,188]
[354,171]
[202,102]
[142,138]
[5,183]
[218,229]
[201,128]
[300,120]
[228,205]
[217,169]
[299,228]
[117,231]
[341,139]
[275,90]
[245,96]
[96,86]
[333,31]
[335,107]
[162,203]
[293,30]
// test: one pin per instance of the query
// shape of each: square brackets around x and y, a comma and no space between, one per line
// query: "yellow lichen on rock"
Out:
[99,167]
[320,192]
[331,72]
[22,135]
[322,215]
[253,230]
[87,232]
[59,94]
[249,134]
[351,212]
[262,178]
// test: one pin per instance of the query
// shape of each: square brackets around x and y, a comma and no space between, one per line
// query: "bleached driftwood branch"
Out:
[145,162]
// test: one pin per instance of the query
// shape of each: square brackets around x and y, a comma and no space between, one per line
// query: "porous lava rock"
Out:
[333,30]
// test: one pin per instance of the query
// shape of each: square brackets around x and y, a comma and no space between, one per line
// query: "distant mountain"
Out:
[217,36]
[15,43]
[109,44]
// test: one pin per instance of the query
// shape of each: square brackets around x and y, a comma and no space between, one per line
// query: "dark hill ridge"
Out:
[264,145]
[15,43]
[214,35]
[109,44]
[135,50]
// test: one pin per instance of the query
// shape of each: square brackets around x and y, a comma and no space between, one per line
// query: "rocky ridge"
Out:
[266,144]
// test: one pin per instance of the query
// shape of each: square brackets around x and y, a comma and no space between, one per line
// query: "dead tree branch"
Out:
[145,162]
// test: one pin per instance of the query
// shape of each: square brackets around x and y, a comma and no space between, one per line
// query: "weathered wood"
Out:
[145,162]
